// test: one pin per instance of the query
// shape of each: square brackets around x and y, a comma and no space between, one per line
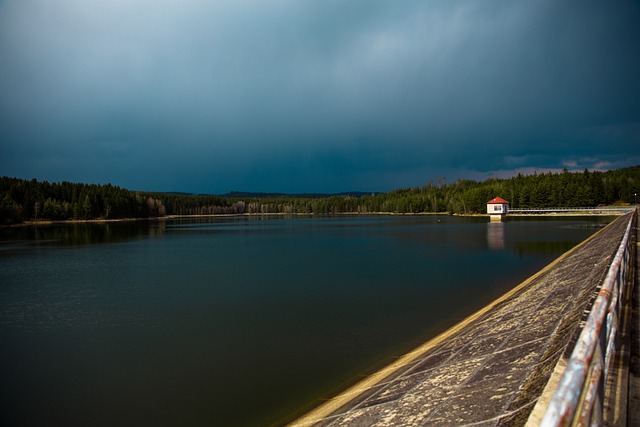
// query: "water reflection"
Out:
[495,235]
[80,234]
[530,248]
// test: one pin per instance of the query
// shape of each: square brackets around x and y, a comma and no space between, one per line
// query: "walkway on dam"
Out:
[491,368]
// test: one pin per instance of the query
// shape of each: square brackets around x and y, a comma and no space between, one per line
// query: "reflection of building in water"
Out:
[495,235]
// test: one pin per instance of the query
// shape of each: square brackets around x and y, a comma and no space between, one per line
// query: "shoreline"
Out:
[161,218]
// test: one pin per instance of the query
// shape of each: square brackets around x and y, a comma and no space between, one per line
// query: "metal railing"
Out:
[606,209]
[579,398]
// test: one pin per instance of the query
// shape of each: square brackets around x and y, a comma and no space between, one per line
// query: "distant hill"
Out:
[258,195]
[24,200]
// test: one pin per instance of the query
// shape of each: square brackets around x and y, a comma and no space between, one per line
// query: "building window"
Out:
[497,208]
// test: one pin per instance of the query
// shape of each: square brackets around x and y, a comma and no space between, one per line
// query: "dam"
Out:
[555,350]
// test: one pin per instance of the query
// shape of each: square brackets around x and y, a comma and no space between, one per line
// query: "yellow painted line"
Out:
[335,403]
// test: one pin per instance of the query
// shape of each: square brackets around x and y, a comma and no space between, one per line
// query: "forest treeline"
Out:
[24,200]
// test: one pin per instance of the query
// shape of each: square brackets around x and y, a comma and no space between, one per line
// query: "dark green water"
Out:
[238,320]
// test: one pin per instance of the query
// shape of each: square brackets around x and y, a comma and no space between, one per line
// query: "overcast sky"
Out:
[316,95]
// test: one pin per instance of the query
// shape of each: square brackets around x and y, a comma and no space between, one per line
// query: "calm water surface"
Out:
[238,320]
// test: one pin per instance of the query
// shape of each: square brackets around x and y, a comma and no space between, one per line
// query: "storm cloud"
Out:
[314,95]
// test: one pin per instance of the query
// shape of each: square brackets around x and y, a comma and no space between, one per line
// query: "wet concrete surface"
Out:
[490,369]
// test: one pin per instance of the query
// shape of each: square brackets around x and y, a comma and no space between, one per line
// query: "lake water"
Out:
[238,320]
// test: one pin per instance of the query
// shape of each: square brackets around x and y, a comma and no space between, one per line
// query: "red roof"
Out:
[497,200]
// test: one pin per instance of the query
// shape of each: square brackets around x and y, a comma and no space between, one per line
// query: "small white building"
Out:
[497,208]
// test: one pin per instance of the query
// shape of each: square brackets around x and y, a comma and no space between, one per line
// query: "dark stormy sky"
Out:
[315,95]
